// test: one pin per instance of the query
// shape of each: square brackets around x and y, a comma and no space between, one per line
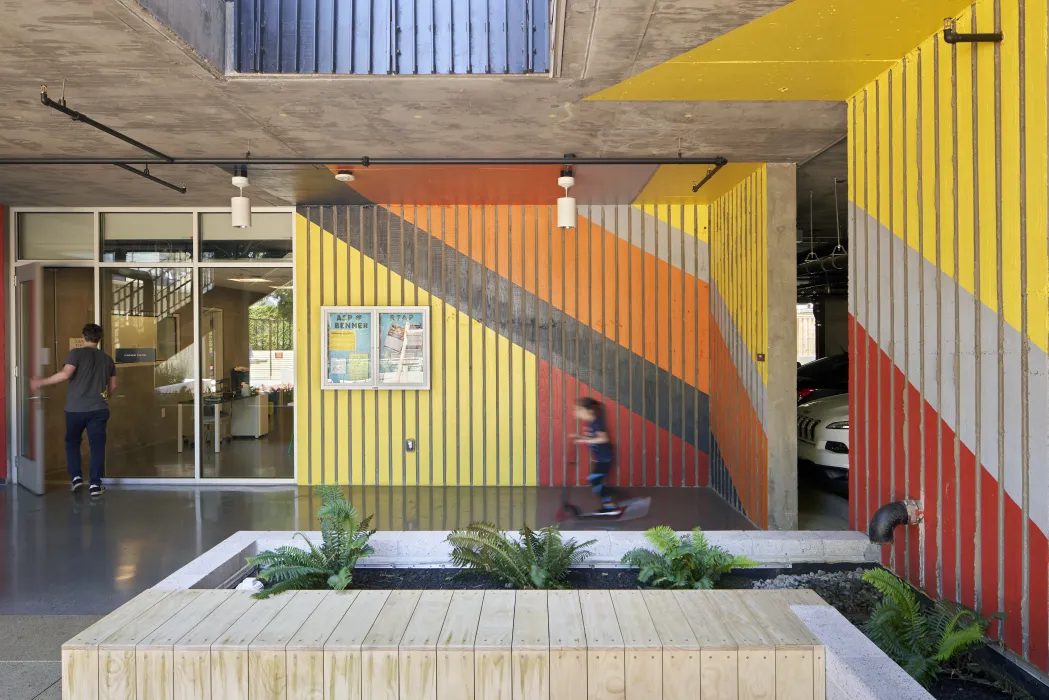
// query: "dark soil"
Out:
[951,689]
[447,579]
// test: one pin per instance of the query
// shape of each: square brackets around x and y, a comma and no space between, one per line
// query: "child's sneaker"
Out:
[96,490]
[78,483]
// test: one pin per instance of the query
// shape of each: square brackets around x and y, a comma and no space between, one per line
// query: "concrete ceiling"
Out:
[124,69]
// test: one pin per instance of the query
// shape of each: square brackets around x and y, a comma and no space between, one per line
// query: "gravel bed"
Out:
[845,590]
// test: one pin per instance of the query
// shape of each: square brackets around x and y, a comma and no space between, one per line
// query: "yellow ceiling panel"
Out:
[805,50]
[672,184]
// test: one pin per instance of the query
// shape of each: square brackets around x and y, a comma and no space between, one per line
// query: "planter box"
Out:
[394,645]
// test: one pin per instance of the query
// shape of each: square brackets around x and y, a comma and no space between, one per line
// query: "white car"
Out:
[823,435]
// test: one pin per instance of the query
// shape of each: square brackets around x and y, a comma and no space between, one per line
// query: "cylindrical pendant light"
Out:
[566,212]
[241,210]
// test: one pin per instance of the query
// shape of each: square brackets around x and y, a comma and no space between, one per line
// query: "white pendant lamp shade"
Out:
[566,212]
[241,209]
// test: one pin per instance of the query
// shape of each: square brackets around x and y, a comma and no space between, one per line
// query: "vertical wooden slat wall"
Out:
[526,318]
[949,278]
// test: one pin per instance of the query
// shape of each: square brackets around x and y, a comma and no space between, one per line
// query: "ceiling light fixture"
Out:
[344,176]
[566,208]
[240,206]
[249,279]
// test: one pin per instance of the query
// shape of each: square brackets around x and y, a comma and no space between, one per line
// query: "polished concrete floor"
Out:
[65,554]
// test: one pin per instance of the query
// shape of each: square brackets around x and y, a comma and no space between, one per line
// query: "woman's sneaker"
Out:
[96,490]
[78,483]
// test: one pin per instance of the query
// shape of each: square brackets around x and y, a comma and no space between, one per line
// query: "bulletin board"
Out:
[375,347]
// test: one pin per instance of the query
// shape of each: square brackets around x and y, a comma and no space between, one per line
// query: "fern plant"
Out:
[344,540]
[536,559]
[682,562]
[921,642]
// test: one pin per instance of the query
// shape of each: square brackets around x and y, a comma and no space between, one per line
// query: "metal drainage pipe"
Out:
[887,518]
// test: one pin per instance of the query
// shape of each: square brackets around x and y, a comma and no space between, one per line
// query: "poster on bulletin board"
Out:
[375,347]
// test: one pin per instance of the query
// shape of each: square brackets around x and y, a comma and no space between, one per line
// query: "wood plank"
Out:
[492,665]
[417,654]
[192,671]
[455,648]
[567,646]
[719,655]
[605,665]
[379,649]
[794,673]
[229,653]
[642,649]
[681,650]
[772,611]
[342,651]
[305,651]
[117,675]
[757,652]
[802,596]
[80,654]
[155,653]
[530,652]
[267,658]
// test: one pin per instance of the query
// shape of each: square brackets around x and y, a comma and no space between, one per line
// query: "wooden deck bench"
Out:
[449,645]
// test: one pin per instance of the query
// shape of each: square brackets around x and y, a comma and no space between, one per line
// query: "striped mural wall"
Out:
[743,254]
[948,313]
[526,318]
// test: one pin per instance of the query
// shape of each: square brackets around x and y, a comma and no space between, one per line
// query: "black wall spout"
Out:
[889,516]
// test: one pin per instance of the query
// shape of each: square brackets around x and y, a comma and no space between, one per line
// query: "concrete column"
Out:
[782,406]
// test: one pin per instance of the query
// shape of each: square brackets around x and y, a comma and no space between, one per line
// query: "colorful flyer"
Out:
[402,355]
[349,347]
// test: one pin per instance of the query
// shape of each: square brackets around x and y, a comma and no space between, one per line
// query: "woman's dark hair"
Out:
[593,405]
[92,333]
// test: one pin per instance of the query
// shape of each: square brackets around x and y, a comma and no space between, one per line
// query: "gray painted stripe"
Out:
[619,220]
[576,348]
[987,391]
[743,361]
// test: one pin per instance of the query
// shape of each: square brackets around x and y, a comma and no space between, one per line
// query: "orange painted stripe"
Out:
[738,432]
[585,254]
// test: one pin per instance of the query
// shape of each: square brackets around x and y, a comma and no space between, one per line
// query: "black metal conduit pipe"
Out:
[825,264]
[145,173]
[710,173]
[364,161]
[83,118]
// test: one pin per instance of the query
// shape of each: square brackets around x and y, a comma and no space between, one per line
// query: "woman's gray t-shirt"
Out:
[89,385]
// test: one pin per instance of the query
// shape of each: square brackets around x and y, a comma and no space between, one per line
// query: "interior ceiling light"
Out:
[248,279]
[240,206]
[344,176]
[566,208]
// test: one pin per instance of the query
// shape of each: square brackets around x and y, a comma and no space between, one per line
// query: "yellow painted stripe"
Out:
[1037,254]
[966,221]
[373,425]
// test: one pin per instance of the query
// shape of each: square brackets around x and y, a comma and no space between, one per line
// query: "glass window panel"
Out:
[147,317]
[53,236]
[248,368]
[269,237]
[142,238]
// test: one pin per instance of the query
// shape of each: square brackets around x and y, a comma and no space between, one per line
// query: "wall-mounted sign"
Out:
[366,347]
[75,343]
[130,355]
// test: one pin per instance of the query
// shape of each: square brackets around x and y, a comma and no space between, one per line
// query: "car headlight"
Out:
[840,425]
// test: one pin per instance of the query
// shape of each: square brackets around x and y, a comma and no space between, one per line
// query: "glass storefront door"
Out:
[203,342]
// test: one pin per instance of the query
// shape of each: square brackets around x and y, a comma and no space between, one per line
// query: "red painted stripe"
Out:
[543,453]
[988,546]
[1014,574]
[871,428]
[968,526]
[858,361]
[1038,590]
[854,419]
[914,467]
[932,515]
[900,435]
[885,439]
[948,494]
